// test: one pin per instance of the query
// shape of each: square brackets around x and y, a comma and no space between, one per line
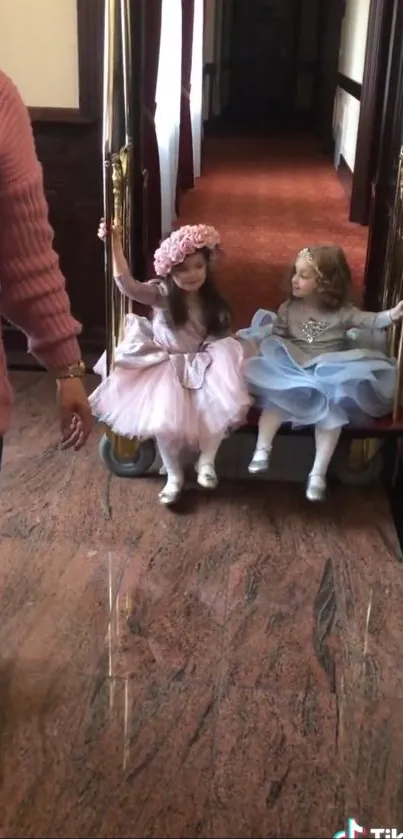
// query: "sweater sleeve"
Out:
[32,288]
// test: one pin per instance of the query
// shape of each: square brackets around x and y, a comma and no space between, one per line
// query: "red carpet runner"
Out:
[270,197]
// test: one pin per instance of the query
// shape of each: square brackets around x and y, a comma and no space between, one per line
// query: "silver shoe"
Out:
[259,462]
[316,488]
[206,476]
[171,491]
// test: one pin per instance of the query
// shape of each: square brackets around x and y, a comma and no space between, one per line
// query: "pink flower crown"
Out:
[182,243]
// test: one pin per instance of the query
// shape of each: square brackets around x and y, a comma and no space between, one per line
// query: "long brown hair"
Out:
[216,312]
[334,283]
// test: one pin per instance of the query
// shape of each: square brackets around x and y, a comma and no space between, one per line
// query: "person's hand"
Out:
[103,231]
[119,261]
[397,312]
[75,413]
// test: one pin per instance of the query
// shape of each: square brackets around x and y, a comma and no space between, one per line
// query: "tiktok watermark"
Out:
[354,830]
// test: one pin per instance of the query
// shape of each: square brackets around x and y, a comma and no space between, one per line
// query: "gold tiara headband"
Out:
[306,253]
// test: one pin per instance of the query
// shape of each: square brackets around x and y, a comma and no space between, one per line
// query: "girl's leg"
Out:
[326,440]
[170,456]
[269,424]
[205,468]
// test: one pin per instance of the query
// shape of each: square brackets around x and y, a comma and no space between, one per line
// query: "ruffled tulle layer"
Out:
[153,400]
[337,388]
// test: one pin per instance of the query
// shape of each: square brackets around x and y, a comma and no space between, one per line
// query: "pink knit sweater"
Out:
[32,288]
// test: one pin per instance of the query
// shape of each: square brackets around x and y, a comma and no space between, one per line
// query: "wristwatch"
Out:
[73,371]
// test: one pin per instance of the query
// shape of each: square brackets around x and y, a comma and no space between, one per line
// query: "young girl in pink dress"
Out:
[178,376]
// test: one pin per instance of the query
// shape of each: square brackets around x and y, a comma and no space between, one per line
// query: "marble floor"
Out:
[232,670]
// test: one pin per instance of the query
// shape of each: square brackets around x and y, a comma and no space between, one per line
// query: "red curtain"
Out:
[185,179]
[152,182]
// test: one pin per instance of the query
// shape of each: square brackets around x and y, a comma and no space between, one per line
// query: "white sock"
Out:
[209,453]
[171,460]
[269,424]
[326,440]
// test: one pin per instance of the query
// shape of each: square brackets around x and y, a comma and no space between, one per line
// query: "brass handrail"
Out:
[393,282]
[394,233]
[117,158]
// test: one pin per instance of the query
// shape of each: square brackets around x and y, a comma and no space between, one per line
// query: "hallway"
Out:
[231,670]
[269,197]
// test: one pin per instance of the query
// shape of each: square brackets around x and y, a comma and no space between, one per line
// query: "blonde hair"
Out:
[334,283]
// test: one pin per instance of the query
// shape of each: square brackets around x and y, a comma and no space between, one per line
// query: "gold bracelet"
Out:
[73,371]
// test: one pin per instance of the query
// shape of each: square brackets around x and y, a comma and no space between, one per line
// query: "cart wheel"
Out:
[362,474]
[140,465]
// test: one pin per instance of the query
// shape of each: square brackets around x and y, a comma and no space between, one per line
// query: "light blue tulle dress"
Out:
[321,368]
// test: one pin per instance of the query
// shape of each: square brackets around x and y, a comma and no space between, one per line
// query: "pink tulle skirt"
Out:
[151,401]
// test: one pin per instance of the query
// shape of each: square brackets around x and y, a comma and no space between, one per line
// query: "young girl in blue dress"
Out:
[310,370]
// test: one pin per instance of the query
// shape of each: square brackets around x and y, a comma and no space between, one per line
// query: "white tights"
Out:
[171,456]
[326,440]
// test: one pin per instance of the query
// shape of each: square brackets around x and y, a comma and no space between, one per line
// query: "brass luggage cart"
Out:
[123,457]
[360,459]
[365,447]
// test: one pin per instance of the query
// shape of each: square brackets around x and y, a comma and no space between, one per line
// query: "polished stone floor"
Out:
[232,670]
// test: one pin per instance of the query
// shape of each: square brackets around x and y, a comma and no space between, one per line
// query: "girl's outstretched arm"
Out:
[356,318]
[148,294]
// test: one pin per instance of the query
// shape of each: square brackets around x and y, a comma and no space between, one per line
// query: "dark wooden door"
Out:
[263,59]
[383,186]
[369,135]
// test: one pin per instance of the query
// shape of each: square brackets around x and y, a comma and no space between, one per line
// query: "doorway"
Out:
[262,69]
